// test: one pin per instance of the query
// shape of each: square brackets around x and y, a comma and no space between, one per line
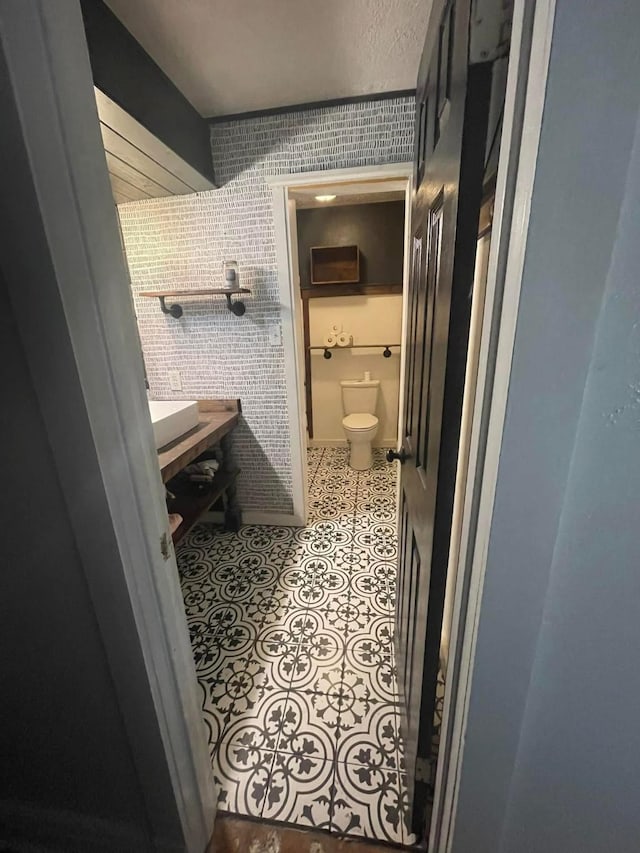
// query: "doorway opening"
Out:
[348,258]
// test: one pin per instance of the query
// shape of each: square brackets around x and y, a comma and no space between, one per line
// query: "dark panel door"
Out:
[451,121]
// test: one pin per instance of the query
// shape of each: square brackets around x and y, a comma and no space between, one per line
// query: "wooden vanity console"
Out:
[217,419]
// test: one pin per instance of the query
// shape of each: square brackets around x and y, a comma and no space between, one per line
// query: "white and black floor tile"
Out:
[242,775]
[292,635]
[300,791]
[369,802]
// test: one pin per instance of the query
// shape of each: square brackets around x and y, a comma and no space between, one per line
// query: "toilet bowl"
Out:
[359,400]
[360,429]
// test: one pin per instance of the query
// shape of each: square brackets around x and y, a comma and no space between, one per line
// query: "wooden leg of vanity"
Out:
[232,513]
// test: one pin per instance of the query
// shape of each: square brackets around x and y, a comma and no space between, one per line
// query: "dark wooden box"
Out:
[335,264]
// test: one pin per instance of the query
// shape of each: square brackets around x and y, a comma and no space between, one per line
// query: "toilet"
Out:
[359,398]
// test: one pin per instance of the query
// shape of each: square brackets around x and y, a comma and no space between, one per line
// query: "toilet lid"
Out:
[360,421]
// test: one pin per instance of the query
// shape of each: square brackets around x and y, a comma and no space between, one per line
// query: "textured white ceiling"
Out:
[232,56]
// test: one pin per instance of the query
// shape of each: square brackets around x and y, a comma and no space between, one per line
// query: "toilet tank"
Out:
[359,396]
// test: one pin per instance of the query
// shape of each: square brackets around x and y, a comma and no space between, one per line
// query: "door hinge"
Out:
[490,29]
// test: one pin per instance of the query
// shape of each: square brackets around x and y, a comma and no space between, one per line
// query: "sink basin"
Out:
[171,419]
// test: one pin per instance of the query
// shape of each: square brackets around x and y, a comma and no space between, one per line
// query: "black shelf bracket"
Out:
[238,307]
[327,352]
[174,310]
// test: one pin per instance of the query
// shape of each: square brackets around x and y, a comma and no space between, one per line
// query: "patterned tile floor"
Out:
[292,637]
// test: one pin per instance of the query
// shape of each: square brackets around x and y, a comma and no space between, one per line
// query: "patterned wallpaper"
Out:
[181,242]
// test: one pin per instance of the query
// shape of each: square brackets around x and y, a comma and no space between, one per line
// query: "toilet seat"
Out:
[360,420]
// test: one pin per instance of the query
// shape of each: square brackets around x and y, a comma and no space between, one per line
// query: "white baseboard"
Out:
[274,519]
[342,442]
[34,829]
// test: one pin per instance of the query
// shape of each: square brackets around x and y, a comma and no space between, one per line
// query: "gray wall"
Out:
[552,758]
[587,659]
[62,739]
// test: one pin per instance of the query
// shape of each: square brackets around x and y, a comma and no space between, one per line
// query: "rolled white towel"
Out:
[330,340]
[345,339]
[336,329]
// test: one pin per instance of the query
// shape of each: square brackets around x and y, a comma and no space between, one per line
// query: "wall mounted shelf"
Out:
[335,264]
[175,310]
[328,351]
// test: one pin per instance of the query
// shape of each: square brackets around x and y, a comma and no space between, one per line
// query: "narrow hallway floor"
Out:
[292,636]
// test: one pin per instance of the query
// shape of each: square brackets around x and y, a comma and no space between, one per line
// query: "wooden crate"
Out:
[335,264]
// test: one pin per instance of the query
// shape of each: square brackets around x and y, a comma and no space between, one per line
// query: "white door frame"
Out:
[137,598]
[524,102]
[290,300]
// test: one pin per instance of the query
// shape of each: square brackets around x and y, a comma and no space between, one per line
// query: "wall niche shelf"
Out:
[175,310]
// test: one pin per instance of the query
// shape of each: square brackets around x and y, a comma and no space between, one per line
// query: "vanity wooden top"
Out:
[217,418]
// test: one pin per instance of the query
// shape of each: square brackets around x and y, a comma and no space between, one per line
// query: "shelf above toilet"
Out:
[328,351]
